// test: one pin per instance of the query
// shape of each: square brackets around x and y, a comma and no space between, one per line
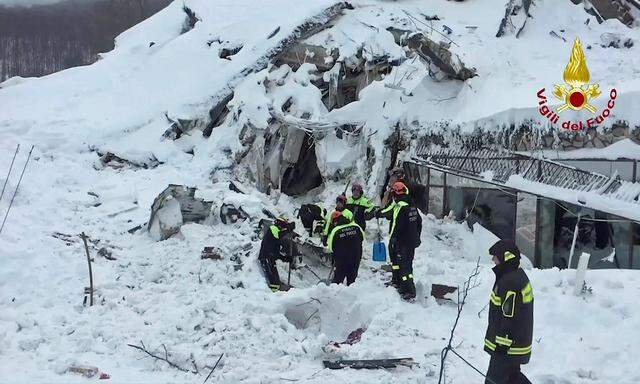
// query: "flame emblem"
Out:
[576,92]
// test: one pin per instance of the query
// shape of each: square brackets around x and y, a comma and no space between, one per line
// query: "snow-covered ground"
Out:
[162,293]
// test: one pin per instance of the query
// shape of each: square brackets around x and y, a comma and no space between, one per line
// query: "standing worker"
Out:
[396,174]
[360,206]
[341,205]
[406,227]
[345,242]
[275,245]
[510,331]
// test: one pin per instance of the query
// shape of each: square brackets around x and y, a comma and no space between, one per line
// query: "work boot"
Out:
[285,287]
[408,296]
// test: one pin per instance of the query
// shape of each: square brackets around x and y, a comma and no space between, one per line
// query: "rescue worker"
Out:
[345,242]
[510,331]
[406,227]
[361,207]
[313,218]
[276,245]
[396,174]
[341,205]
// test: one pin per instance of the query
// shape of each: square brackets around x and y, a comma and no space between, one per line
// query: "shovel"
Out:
[379,249]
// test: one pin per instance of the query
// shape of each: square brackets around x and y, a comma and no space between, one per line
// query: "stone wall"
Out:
[523,138]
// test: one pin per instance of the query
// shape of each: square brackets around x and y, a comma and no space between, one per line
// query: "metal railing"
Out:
[498,167]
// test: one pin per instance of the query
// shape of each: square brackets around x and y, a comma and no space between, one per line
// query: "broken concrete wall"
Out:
[167,220]
[526,138]
[442,62]
[303,174]
[283,157]
[612,9]
[515,18]
[173,207]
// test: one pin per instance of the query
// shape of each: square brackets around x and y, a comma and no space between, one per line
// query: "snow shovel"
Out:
[379,249]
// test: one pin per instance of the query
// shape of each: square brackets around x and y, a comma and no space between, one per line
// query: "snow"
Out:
[163,293]
[621,203]
[623,149]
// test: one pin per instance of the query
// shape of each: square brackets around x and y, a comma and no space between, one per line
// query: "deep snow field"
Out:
[163,293]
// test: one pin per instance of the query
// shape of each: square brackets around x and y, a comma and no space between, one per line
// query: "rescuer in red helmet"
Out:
[345,242]
[406,226]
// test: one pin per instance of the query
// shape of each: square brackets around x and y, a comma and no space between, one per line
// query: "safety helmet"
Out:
[399,188]
[505,250]
[336,215]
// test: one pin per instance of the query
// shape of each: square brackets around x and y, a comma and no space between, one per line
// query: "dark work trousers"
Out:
[346,268]
[405,261]
[357,266]
[395,265]
[270,272]
[505,370]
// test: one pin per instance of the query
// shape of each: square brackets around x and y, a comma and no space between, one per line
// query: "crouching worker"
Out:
[345,242]
[313,218]
[276,245]
[510,331]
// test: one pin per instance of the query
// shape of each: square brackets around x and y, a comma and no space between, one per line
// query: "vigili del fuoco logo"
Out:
[576,93]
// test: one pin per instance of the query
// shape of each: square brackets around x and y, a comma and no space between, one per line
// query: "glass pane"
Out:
[437,178]
[636,247]
[493,209]
[546,233]
[526,225]
[435,201]
[605,237]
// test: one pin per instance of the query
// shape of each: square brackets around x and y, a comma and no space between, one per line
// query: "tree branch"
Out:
[467,286]
[142,348]
[213,369]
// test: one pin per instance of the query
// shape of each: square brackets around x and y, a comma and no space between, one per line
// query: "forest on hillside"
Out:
[43,39]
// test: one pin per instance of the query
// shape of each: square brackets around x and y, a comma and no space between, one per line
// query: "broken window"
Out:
[475,202]
[607,238]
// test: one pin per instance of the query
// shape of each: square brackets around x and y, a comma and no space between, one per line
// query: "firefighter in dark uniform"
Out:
[276,245]
[361,207]
[345,242]
[510,330]
[341,205]
[406,227]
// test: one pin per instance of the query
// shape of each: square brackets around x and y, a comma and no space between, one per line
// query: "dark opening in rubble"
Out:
[304,175]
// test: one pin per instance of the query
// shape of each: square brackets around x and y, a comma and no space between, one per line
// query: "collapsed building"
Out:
[323,107]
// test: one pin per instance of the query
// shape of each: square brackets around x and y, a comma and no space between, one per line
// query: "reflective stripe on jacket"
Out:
[511,315]
[345,233]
